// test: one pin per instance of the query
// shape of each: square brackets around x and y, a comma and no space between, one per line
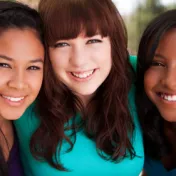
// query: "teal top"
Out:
[83,159]
[153,168]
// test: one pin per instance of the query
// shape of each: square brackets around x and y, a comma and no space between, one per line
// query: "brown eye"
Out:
[154,63]
[4,65]
[33,68]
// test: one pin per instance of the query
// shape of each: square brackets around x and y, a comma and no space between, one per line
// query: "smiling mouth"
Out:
[13,99]
[167,97]
[83,75]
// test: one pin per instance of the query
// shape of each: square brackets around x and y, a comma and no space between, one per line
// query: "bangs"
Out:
[69,19]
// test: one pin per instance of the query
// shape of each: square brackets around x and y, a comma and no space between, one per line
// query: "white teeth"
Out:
[83,75]
[169,97]
[15,99]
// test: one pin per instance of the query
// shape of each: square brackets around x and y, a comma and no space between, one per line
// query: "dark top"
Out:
[14,162]
[153,168]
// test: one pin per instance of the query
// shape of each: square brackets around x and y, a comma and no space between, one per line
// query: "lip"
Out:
[165,101]
[81,72]
[13,103]
[166,93]
[16,96]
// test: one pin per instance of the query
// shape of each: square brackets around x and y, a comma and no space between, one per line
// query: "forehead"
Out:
[17,43]
[70,23]
[169,36]
[167,44]
[74,30]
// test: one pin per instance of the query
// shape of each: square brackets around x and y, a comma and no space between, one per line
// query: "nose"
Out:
[17,80]
[78,56]
[169,79]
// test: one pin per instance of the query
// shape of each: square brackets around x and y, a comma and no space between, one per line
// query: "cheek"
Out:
[58,64]
[58,67]
[107,56]
[104,58]
[151,78]
[4,79]
[152,82]
[35,83]
[8,74]
[58,60]
[108,62]
[148,82]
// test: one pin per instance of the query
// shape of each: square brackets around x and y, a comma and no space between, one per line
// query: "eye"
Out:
[155,63]
[4,65]
[94,41]
[61,45]
[33,68]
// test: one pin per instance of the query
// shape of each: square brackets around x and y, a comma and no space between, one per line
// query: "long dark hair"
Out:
[152,123]
[106,119]
[18,16]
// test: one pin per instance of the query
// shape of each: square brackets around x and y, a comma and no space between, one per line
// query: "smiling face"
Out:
[21,71]
[160,78]
[82,64]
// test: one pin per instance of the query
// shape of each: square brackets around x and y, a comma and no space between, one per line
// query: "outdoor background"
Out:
[136,14]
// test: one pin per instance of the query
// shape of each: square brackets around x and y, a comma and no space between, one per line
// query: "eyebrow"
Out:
[31,61]
[160,56]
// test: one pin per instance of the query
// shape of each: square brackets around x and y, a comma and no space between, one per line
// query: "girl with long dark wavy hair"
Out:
[21,74]
[156,94]
[84,122]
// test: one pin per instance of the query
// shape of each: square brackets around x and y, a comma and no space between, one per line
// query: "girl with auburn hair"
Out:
[21,72]
[86,122]
[156,94]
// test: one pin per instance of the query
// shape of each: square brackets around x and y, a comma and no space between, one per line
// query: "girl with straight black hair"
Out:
[156,94]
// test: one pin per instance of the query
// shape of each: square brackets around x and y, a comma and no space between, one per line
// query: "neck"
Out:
[6,136]
[170,132]
[169,160]
[171,126]
[85,99]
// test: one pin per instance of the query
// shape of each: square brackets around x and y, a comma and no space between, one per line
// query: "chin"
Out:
[12,116]
[88,92]
[169,118]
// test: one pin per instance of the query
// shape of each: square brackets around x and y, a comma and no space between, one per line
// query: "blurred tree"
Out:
[138,21]
[171,6]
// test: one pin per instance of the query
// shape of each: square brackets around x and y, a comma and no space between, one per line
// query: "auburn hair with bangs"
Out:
[106,119]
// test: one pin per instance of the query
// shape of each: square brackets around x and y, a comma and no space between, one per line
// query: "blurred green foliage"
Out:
[138,20]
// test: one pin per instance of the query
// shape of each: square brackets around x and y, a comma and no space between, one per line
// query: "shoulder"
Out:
[28,122]
[131,95]
[133,111]
[154,167]
[133,61]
